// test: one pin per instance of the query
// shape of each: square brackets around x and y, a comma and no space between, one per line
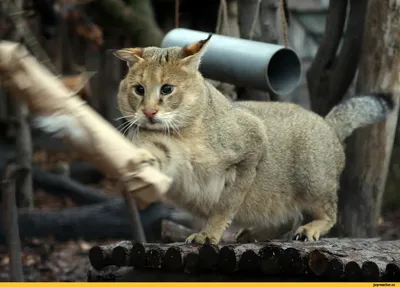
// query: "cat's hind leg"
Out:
[324,213]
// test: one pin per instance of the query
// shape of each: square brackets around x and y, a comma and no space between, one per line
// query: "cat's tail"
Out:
[359,111]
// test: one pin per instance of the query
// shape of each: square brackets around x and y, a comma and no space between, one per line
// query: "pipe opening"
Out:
[283,72]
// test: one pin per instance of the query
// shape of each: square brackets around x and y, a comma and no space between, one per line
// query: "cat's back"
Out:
[283,117]
[291,128]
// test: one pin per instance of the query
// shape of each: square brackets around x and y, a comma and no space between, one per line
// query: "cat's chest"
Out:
[203,158]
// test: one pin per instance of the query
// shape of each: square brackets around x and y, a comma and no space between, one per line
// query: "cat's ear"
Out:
[192,53]
[130,55]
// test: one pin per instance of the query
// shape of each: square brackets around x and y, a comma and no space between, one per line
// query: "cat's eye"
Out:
[139,90]
[166,89]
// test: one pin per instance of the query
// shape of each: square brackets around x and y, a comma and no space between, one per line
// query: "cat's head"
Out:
[163,89]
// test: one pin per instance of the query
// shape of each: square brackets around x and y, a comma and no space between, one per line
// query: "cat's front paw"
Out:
[202,238]
[146,157]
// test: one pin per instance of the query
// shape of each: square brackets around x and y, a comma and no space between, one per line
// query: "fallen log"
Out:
[60,185]
[130,274]
[103,256]
[121,254]
[208,257]
[271,257]
[85,173]
[354,261]
[229,257]
[392,272]
[97,221]
[328,259]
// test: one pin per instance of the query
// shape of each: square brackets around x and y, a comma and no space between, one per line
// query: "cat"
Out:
[257,164]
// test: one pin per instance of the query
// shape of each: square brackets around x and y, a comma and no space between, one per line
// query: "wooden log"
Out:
[147,255]
[228,259]
[129,274]
[333,259]
[174,258]
[112,254]
[249,261]
[392,272]
[294,261]
[100,256]
[63,186]
[169,256]
[110,274]
[82,222]
[352,262]
[372,271]
[155,256]
[208,256]
[318,262]
[191,263]
[352,271]
[120,255]
[271,259]
[138,255]
[239,257]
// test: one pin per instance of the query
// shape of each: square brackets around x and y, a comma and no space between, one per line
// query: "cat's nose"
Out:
[149,113]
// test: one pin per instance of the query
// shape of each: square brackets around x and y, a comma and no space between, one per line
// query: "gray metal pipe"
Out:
[267,67]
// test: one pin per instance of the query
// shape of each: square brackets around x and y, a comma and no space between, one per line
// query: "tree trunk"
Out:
[136,19]
[110,76]
[369,149]
[24,156]
[334,67]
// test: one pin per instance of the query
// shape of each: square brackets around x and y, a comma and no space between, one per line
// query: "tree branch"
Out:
[10,224]
[319,74]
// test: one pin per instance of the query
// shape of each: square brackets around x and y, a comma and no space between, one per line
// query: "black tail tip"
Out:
[387,97]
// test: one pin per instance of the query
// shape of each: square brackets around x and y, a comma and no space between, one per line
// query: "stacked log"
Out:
[330,259]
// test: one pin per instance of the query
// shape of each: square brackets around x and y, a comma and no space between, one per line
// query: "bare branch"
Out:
[10,224]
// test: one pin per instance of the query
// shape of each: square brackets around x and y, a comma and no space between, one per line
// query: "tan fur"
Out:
[258,164]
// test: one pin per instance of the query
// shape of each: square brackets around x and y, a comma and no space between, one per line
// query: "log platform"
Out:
[329,259]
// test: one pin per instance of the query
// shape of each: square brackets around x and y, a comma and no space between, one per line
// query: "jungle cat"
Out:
[257,164]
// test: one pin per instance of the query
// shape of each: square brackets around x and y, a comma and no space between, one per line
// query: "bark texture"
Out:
[369,150]
[334,67]
[333,259]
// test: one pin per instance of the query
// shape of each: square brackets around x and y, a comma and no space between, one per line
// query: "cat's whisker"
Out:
[168,129]
[128,127]
[124,117]
[175,127]
[165,129]
[123,125]
[136,132]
